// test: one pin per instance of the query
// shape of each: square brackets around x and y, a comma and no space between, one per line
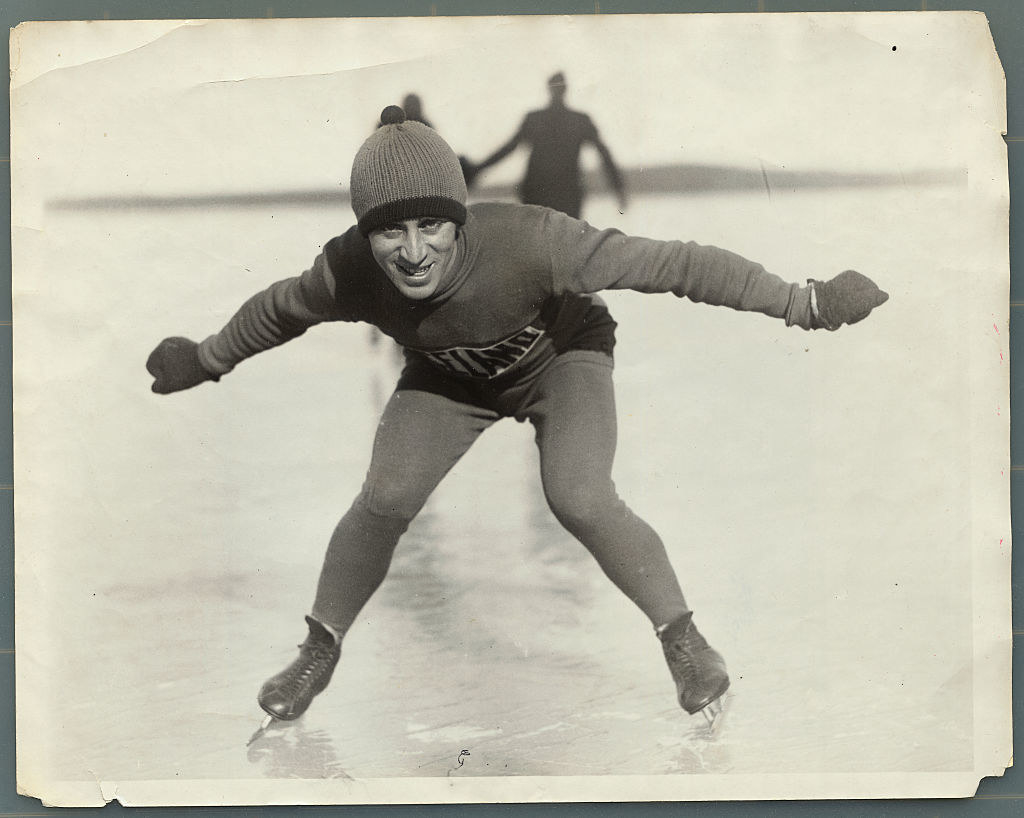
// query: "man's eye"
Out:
[431,225]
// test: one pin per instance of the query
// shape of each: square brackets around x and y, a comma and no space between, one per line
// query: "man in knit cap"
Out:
[495,307]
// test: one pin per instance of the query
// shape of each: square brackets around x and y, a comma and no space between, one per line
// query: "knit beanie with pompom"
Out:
[404,170]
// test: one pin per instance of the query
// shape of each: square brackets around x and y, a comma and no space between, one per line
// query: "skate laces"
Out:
[682,657]
[682,650]
[314,659]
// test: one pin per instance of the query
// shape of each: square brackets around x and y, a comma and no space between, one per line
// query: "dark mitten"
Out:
[175,366]
[846,299]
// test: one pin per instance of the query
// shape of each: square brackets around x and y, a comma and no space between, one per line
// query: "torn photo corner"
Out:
[834,505]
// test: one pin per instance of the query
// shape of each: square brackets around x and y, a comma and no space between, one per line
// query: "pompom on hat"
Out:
[405,170]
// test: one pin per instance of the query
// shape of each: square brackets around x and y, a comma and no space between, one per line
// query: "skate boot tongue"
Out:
[318,633]
[697,669]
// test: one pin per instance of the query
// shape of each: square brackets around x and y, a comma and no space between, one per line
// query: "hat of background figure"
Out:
[556,80]
[405,170]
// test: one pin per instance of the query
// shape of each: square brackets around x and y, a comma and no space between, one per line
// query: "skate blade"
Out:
[714,715]
[267,721]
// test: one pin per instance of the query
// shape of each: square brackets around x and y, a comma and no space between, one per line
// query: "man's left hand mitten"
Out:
[846,299]
[175,366]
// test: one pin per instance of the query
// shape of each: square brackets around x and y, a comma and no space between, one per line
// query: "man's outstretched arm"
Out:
[283,311]
[471,169]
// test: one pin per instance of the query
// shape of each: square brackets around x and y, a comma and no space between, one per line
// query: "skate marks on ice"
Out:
[289,750]
[704,745]
[601,741]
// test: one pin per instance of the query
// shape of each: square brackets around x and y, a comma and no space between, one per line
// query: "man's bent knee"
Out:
[391,501]
[581,505]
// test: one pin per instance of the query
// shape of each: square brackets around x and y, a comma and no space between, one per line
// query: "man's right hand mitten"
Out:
[174,365]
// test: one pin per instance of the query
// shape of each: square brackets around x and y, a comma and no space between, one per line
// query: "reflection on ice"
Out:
[291,751]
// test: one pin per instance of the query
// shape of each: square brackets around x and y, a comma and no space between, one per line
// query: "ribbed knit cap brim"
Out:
[406,170]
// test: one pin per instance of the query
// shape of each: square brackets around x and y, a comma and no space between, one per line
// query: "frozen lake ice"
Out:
[188,532]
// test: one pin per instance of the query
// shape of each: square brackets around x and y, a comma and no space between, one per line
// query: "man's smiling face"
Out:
[417,255]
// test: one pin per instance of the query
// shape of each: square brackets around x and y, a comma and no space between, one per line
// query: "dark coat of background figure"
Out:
[556,135]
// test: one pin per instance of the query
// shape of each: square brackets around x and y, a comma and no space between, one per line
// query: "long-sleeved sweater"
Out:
[520,291]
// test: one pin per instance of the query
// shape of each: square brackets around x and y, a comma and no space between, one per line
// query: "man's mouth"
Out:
[419,271]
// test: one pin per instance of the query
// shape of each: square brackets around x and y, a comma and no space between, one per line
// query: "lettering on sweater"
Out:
[486,362]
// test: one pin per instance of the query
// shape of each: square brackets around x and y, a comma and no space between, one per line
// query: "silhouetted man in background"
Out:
[555,135]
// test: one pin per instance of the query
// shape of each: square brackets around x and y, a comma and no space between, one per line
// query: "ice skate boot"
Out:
[287,695]
[697,668]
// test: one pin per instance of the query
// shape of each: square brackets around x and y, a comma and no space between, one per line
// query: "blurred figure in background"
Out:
[413,107]
[555,135]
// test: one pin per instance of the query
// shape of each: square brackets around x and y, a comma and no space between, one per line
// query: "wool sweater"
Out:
[521,290]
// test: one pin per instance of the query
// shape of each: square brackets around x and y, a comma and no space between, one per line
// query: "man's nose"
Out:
[413,246]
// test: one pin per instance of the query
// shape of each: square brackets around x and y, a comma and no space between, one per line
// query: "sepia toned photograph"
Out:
[492,409]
